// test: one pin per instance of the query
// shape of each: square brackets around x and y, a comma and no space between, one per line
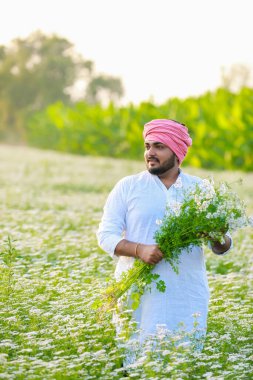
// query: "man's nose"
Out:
[152,151]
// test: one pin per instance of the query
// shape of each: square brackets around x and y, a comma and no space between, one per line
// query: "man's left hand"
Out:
[219,248]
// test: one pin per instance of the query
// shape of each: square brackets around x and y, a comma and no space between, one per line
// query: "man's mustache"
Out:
[152,159]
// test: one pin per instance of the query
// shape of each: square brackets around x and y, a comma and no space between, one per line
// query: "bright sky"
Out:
[159,48]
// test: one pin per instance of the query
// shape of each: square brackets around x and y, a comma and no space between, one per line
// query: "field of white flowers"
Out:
[51,270]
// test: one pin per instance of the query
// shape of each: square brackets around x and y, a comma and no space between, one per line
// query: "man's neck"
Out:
[169,177]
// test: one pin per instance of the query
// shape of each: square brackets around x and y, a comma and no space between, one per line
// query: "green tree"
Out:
[39,70]
[104,89]
[35,72]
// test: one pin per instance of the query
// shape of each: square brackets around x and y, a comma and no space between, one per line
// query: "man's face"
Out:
[159,158]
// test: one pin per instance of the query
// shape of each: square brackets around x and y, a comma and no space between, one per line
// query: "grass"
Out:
[52,270]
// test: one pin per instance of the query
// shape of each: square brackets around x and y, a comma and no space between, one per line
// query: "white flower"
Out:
[207,189]
[205,182]
[236,223]
[197,199]
[3,358]
[250,221]
[162,330]
[222,189]
[196,314]
[158,222]
[35,311]
[176,208]
[203,206]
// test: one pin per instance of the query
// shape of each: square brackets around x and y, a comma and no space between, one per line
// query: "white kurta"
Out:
[131,212]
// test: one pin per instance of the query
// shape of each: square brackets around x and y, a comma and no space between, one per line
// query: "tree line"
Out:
[38,106]
[220,123]
[41,69]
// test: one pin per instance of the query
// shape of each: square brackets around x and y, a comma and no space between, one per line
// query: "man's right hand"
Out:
[150,254]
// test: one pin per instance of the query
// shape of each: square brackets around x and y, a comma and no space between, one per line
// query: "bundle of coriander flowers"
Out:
[205,215]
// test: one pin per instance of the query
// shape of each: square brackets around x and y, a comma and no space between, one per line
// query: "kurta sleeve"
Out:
[113,222]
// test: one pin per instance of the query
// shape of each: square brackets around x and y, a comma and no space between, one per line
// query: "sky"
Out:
[159,48]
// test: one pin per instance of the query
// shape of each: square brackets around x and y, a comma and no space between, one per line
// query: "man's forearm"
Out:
[126,248]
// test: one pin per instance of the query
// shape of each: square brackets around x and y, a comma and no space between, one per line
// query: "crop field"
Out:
[51,271]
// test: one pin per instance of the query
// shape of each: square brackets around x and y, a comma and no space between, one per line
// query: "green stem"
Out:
[139,273]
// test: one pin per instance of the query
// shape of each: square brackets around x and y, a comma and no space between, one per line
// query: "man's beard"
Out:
[167,165]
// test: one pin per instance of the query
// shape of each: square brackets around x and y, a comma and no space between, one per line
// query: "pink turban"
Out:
[170,133]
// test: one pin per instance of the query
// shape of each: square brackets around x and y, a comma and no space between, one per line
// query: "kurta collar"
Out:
[177,184]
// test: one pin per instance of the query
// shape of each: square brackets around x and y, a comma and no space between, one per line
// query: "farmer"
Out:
[131,216]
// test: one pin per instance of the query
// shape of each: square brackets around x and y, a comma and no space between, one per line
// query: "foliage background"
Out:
[38,106]
[220,123]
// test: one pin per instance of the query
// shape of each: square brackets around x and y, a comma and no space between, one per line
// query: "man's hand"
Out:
[150,254]
[219,248]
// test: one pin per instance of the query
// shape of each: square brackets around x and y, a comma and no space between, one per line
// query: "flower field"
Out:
[51,271]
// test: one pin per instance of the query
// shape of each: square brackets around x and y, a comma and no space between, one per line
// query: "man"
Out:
[131,217]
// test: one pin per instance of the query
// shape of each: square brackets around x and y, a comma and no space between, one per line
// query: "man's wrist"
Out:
[136,255]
